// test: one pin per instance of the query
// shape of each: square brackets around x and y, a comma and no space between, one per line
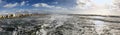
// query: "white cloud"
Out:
[41,5]
[83,4]
[47,6]
[92,7]
[55,2]
[10,5]
[22,3]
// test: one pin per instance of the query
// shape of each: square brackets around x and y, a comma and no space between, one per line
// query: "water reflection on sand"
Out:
[105,28]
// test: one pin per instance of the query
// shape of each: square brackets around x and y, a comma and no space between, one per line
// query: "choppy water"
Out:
[61,25]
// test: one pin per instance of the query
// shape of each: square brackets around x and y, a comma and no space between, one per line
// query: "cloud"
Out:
[92,7]
[55,2]
[23,3]
[47,6]
[82,4]
[42,5]
[10,5]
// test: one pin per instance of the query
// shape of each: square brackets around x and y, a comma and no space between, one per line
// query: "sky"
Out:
[31,5]
[54,6]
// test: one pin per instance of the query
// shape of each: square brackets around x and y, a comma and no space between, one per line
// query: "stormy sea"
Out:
[56,24]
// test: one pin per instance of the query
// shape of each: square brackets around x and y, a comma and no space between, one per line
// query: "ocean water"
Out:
[60,25]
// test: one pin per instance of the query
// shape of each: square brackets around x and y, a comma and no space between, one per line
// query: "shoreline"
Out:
[25,15]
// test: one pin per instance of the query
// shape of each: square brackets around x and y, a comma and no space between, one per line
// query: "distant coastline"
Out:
[25,15]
